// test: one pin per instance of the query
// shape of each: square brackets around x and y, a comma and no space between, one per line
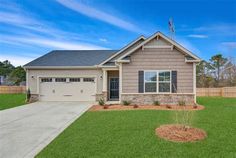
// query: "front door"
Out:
[114,88]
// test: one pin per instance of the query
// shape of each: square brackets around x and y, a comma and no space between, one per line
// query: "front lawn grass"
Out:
[11,100]
[131,134]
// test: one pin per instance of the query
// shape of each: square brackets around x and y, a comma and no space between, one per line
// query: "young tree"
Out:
[228,73]
[17,75]
[6,68]
[204,73]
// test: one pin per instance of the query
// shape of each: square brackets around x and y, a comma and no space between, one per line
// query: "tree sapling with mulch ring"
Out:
[181,130]
[180,133]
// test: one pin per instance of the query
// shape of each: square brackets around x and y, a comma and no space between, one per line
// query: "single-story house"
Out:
[145,70]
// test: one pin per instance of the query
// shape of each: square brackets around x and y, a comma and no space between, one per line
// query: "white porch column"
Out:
[104,79]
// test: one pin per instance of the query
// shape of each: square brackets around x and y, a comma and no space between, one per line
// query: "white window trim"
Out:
[150,81]
[157,81]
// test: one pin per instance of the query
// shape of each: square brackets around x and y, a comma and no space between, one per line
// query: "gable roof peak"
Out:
[171,41]
[142,37]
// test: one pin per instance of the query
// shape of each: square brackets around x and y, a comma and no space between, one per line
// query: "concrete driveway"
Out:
[26,130]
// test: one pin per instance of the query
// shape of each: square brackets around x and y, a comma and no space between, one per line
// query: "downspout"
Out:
[27,79]
[194,83]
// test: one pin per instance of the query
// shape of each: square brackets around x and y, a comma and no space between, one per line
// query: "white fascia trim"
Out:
[60,67]
[192,61]
[138,46]
[110,68]
[115,66]
[164,37]
[147,47]
[122,61]
[120,51]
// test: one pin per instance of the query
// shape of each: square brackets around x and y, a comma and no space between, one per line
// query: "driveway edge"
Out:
[54,134]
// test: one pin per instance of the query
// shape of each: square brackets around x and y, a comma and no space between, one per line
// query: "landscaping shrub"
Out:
[101,102]
[181,103]
[135,106]
[156,102]
[126,102]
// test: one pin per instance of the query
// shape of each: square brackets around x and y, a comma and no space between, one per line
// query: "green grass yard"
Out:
[132,134]
[11,100]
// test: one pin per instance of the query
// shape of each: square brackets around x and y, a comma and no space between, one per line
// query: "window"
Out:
[46,79]
[164,81]
[74,79]
[88,79]
[150,81]
[157,81]
[60,79]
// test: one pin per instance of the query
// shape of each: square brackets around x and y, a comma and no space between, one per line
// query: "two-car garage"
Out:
[67,75]
[67,88]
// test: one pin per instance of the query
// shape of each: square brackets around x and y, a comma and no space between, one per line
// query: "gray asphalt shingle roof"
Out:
[72,58]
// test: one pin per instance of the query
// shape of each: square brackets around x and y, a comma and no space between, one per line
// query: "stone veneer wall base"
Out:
[101,96]
[34,98]
[164,99]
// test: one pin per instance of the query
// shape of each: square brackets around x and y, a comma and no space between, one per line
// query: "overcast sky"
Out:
[31,28]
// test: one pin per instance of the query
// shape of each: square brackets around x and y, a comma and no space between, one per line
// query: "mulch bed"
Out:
[145,107]
[177,133]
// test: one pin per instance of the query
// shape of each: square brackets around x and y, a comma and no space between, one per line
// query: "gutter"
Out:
[60,67]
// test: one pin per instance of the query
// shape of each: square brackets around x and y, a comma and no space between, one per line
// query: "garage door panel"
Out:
[67,91]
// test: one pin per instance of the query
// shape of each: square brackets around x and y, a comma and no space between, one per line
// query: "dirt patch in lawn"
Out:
[179,133]
[145,107]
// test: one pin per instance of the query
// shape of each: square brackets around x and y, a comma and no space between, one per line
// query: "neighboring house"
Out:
[148,69]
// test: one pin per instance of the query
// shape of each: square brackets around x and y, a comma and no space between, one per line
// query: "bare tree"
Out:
[218,61]
[204,75]
[228,73]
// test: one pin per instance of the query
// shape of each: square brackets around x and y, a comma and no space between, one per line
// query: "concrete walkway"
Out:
[26,130]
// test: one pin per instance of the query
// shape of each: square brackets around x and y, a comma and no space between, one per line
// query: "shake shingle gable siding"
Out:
[72,58]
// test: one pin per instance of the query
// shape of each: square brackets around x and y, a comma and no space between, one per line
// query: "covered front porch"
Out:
[111,84]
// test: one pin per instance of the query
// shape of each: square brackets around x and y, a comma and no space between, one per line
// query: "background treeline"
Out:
[217,72]
[12,75]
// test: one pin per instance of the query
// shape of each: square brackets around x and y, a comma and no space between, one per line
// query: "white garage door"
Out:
[67,89]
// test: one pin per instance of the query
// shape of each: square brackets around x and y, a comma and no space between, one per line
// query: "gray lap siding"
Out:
[157,59]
